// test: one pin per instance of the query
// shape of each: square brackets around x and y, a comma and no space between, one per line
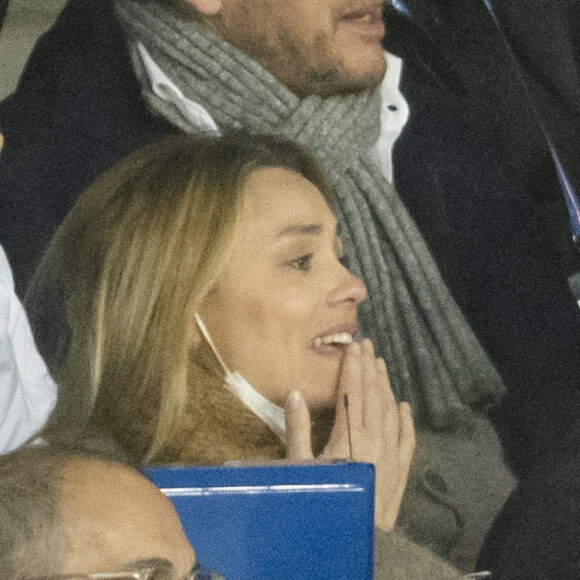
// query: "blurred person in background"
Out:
[494,93]
[27,392]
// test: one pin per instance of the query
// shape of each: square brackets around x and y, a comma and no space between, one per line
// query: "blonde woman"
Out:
[196,289]
[231,238]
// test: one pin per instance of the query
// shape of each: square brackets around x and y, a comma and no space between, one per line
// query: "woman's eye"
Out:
[302,263]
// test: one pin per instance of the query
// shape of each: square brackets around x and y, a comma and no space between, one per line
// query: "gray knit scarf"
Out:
[434,360]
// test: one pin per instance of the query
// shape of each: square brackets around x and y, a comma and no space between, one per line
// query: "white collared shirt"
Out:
[27,392]
[394,111]
[394,116]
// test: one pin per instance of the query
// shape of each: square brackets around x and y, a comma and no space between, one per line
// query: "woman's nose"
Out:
[349,288]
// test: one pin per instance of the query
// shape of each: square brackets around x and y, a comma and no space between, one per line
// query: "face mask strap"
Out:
[203,328]
[263,408]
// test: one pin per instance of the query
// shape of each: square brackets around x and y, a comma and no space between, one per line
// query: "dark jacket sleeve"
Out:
[536,534]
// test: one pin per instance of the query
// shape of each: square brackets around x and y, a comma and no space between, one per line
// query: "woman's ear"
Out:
[206,7]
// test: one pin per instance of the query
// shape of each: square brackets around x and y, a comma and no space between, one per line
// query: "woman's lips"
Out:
[339,340]
[333,340]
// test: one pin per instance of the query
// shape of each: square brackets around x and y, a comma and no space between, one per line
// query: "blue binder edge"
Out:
[295,481]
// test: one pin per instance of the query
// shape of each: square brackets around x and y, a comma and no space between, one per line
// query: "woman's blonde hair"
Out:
[141,250]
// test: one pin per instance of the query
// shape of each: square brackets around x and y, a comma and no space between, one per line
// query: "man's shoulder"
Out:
[78,101]
[79,72]
[77,110]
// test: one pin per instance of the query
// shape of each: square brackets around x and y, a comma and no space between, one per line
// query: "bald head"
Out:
[67,514]
[111,516]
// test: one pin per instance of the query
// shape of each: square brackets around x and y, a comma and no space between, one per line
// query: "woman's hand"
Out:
[381,431]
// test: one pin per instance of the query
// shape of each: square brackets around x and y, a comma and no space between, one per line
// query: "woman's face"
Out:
[285,302]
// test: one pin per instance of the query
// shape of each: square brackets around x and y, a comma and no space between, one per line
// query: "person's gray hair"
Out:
[30,539]
[31,536]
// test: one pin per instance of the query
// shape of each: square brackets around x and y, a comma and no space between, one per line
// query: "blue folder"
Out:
[277,522]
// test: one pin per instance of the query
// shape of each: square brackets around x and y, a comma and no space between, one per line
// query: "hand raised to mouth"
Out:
[374,429]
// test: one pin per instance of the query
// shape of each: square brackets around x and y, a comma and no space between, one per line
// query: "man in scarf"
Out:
[111,76]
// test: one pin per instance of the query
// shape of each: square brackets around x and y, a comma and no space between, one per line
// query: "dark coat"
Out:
[77,111]
[508,236]
[536,534]
[474,169]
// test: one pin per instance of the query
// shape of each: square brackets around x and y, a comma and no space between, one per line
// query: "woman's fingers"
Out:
[298,435]
[398,465]
[407,441]
[402,459]
[348,406]
[389,400]
[381,431]
[384,436]
[351,383]
[371,391]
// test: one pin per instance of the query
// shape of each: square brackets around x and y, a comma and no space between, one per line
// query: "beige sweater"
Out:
[218,426]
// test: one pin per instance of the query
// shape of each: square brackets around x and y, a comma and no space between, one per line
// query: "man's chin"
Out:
[349,86]
[348,81]
[362,84]
[337,76]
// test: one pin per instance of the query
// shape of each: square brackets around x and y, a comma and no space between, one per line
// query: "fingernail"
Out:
[368,345]
[295,400]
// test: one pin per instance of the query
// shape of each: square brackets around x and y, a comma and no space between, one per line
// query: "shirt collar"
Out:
[163,87]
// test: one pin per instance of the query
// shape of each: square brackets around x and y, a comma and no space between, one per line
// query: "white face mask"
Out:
[263,408]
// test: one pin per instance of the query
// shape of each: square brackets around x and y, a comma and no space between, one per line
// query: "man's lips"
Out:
[367,21]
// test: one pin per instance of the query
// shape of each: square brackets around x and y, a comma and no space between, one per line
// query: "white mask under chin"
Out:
[263,408]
